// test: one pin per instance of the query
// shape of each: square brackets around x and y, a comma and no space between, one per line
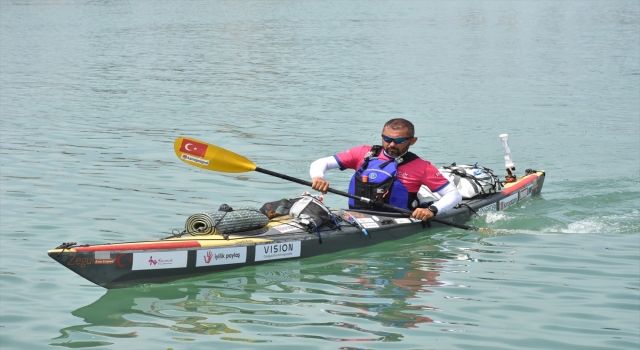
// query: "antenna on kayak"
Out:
[508,161]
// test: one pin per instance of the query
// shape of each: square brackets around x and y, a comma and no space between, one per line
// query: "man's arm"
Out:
[317,170]
[450,197]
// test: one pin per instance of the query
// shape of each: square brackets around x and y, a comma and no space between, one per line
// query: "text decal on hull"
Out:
[276,251]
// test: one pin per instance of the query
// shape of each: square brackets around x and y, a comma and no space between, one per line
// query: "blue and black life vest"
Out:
[376,179]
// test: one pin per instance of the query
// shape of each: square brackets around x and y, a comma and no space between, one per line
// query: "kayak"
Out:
[185,255]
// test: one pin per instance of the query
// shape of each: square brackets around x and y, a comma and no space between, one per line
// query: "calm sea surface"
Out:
[93,94]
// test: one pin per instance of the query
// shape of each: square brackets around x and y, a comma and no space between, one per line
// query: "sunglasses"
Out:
[398,141]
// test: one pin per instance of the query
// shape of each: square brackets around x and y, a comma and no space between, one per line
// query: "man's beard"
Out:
[393,151]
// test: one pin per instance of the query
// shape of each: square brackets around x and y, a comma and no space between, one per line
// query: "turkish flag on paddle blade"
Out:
[193,147]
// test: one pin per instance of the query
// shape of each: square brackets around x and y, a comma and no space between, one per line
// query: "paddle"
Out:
[207,156]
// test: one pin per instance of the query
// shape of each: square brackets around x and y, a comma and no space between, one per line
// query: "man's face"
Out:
[395,149]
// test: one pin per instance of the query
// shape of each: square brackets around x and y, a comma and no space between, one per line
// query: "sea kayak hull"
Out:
[128,264]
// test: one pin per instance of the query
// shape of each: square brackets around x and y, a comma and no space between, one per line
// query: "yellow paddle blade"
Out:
[210,157]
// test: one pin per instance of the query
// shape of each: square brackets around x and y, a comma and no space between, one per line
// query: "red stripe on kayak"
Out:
[520,184]
[139,246]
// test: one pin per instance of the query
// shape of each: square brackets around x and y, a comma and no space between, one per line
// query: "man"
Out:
[390,173]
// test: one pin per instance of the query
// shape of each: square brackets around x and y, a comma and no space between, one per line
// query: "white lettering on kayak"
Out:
[221,256]
[276,251]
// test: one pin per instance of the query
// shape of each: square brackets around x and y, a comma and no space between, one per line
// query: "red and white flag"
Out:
[193,147]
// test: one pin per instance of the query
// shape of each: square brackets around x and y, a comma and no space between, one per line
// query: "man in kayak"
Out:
[389,174]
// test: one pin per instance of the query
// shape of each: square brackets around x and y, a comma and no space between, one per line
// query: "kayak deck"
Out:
[181,256]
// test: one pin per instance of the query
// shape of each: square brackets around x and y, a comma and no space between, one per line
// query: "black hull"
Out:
[128,264]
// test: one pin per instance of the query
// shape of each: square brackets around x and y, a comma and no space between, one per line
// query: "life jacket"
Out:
[376,179]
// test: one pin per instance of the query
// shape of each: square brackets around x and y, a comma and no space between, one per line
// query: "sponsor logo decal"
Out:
[84,261]
[80,261]
[222,256]
[285,228]
[365,220]
[159,260]
[525,192]
[103,258]
[490,207]
[276,251]
[194,148]
[195,160]
[122,260]
[348,217]
[402,221]
[105,261]
[370,225]
[357,215]
[375,218]
[509,201]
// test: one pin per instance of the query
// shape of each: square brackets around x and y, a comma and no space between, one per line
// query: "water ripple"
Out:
[94,93]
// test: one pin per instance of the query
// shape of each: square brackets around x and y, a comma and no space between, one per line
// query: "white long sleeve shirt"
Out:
[449,194]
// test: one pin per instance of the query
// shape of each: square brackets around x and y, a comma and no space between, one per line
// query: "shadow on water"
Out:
[363,296]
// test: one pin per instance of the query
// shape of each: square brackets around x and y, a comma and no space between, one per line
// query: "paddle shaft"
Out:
[207,156]
[362,199]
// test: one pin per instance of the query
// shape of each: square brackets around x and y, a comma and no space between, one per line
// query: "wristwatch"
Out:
[433,209]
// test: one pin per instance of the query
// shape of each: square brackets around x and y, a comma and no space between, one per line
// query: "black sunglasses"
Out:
[398,141]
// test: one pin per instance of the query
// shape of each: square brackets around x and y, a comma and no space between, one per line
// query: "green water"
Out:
[93,94]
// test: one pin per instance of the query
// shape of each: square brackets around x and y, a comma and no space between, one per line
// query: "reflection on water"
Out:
[93,94]
[354,299]
[451,287]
